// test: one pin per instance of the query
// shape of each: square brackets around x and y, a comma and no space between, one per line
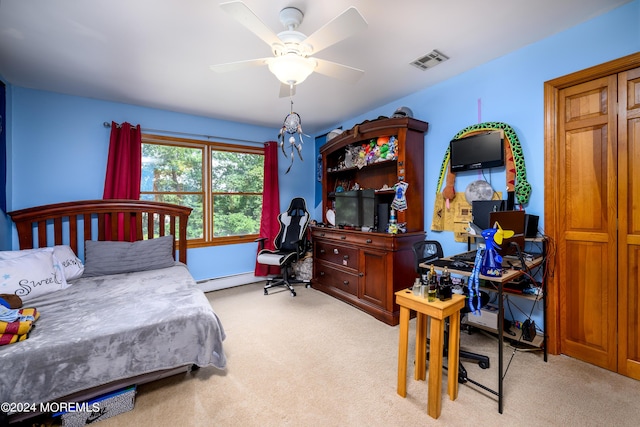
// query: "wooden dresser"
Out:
[366,268]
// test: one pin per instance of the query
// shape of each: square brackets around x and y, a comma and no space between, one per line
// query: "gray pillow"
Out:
[108,257]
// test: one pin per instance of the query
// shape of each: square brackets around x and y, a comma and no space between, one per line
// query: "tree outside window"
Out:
[222,183]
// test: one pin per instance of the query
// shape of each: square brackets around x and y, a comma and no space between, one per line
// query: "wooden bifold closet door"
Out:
[629,223]
[592,212]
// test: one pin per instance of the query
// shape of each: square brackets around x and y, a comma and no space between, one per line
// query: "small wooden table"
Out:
[438,311]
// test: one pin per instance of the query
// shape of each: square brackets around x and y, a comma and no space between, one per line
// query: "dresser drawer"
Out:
[336,254]
[329,275]
[377,240]
[374,240]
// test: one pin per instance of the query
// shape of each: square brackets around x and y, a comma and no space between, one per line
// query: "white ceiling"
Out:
[157,53]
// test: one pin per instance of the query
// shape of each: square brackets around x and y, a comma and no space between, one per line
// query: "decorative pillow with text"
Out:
[63,254]
[31,275]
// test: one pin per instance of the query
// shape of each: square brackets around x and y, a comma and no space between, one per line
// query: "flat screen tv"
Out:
[479,151]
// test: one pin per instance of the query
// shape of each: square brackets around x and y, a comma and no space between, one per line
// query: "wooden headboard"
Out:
[74,222]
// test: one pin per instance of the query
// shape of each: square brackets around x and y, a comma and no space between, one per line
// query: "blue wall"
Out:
[59,149]
[48,132]
[510,90]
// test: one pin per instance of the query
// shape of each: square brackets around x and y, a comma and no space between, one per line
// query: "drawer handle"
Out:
[345,282]
[322,273]
[321,251]
[321,234]
[368,240]
[335,251]
[343,237]
[361,274]
[346,257]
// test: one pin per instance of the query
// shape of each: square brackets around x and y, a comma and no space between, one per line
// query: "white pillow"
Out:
[71,264]
[63,255]
[31,275]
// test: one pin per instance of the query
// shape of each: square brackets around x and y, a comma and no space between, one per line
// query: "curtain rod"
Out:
[108,125]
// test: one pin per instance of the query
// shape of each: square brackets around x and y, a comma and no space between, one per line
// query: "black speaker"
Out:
[511,199]
[382,217]
[531,225]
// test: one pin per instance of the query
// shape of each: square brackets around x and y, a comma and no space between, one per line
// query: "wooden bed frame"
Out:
[70,223]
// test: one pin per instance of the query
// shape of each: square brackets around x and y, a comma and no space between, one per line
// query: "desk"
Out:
[507,276]
[438,311]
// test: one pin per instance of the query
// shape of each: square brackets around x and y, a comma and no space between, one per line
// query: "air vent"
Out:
[429,60]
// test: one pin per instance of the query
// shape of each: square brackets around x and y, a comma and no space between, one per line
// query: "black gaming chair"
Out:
[430,250]
[290,245]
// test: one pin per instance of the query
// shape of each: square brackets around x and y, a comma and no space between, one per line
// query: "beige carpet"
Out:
[315,361]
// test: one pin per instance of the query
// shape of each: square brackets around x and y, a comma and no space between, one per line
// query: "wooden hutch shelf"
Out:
[365,269]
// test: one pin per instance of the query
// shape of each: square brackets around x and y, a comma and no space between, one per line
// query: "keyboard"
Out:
[465,256]
[454,265]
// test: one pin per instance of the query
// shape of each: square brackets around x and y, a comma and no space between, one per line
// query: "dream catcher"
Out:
[292,125]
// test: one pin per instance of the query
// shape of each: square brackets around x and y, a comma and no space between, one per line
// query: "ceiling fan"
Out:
[292,62]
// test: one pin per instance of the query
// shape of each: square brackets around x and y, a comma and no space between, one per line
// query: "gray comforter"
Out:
[107,328]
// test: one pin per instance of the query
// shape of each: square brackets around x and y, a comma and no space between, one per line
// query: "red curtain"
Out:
[269,225]
[124,166]
[124,163]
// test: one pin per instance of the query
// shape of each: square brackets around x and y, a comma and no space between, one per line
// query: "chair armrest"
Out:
[300,244]
[260,241]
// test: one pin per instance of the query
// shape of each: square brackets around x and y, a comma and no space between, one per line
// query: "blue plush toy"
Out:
[491,264]
[488,262]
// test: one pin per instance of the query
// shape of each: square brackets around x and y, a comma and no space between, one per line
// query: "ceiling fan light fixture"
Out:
[291,69]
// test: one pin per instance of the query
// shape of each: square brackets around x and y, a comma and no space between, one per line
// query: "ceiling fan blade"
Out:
[338,71]
[286,90]
[250,20]
[239,65]
[339,28]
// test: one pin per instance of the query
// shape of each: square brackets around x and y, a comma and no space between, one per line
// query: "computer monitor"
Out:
[510,220]
[480,210]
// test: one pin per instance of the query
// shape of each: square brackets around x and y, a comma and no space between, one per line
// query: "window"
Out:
[221,182]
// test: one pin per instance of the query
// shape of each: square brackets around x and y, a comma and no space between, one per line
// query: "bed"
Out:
[110,328]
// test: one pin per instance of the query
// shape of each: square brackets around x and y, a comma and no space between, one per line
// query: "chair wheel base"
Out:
[462,374]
